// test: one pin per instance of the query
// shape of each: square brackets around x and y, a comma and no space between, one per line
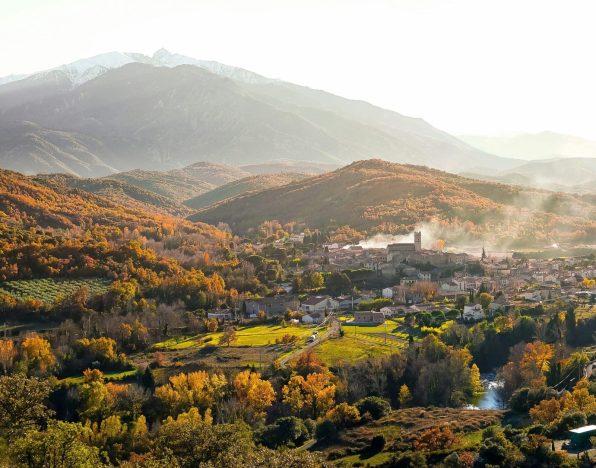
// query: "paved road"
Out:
[332,331]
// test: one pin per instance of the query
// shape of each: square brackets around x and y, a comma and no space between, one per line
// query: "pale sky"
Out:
[466,66]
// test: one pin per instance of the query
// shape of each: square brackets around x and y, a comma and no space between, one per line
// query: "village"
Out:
[409,280]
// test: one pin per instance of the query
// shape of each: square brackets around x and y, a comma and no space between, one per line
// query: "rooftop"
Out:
[581,430]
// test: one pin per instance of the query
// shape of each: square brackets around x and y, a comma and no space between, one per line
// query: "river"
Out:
[490,398]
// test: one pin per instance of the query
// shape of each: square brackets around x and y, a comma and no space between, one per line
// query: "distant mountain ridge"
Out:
[531,146]
[573,175]
[378,196]
[168,111]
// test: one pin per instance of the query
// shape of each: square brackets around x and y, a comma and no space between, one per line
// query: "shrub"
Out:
[311,426]
[326,430]
[377,407]
[285,431]
[571,421]
[377,443]
[344,415]
[409,460]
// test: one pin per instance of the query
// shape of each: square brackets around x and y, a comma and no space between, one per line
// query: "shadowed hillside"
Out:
[248,184]
[182,184]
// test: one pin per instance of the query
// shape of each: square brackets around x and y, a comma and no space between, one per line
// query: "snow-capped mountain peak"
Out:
[86,69]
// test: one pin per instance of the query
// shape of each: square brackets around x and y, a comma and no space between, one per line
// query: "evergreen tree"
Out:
[148,380]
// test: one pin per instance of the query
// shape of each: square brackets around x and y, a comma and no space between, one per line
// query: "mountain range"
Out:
[121,112]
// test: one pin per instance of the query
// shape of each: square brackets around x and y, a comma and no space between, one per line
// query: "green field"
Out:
[48,289]
[393,327]
[108,376]
[352,348]
[254,335]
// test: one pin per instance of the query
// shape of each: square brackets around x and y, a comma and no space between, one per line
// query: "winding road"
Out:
[332,331]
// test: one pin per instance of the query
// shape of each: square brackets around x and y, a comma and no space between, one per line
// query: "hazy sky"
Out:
[466,66]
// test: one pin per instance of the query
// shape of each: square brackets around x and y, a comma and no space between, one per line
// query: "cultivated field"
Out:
[49,289]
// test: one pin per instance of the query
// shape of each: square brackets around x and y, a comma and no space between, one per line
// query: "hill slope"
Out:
[181,184]
[157,117]
[121,193]
[50,203]
[376,195]
[248,184]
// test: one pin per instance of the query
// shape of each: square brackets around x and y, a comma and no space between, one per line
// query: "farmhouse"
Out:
[369,317]
[319,304]
[220,315]
[272,306]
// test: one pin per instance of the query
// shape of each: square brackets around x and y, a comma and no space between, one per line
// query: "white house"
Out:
[424,275]
[449,287]
[387,293]
[473,312]
[533,296]
[392,311]
[319,304]
[297,238]
[220,315]
[315,317]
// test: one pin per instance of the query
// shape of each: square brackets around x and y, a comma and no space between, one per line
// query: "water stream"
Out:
[490,398]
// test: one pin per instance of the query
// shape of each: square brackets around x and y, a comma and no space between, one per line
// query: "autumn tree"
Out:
[404,397]
[343,415]
[475,380]
[228,337]
[7,354]
[37,353]
[308,363]
[436,438]
[253,392]
[315,393]
[197,389]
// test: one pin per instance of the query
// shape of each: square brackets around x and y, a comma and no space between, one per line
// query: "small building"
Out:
[369,317]
[393,311]
[348,302]
[473,312]
[319,304]
[387,293]
[315,317]
[580,437]
[220,315]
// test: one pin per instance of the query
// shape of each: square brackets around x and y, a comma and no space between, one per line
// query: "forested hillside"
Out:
[377,196]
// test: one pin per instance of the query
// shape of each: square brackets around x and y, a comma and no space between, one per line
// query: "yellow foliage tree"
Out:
[37,351]
[193,389]
[316,393]
[7,354]
[405,397]
[257,394]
